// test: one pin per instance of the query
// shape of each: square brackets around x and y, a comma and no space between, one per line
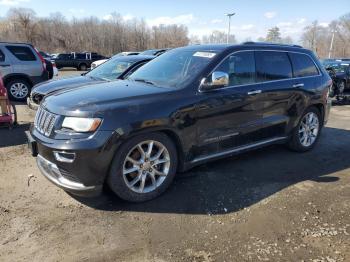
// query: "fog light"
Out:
[64,157]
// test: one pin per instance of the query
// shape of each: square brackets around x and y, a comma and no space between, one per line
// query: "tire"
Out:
[18,89]
[120,178]
[296,142]
[82,67]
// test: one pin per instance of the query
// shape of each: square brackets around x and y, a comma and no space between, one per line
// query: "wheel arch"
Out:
[117,140]
[11,77]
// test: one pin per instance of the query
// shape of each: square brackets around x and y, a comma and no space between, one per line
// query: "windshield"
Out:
[148,52]
[111,69]
[174,68]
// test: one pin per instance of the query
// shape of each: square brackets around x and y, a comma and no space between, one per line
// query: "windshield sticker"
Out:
[204,54]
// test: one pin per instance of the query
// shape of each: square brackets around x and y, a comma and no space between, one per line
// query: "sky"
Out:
[252,19]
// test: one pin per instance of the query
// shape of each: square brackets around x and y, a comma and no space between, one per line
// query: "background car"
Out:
[80,61]
[118,67]
[21,66]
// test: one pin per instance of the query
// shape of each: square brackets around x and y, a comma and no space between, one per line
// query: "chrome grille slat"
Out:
[44,121]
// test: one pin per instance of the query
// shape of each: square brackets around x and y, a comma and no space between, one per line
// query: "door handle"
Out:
[254,92]
[298,85]
[5,65]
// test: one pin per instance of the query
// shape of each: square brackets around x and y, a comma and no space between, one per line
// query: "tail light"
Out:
[41,59]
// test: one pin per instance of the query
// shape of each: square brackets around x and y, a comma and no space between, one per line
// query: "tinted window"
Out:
[63,56]
[81,56]
[22,53]
[303,65]
[2,56]
[272,65]
[240,68]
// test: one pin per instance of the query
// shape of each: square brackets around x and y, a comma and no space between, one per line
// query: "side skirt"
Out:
[234,151]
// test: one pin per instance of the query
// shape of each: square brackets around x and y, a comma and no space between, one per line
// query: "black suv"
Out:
[81,61]
[184,108]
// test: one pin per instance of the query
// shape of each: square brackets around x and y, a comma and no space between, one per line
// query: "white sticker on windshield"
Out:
[204,54]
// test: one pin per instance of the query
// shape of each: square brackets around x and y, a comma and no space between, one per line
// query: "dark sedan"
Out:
[118,67]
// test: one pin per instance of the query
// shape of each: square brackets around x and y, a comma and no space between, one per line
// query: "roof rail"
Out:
[268,43]
[15,43]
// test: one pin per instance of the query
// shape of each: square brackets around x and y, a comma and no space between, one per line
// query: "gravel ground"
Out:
[266,205]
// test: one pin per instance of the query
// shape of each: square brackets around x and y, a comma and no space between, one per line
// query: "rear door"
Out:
[306,77]
[5,63]
[275,75]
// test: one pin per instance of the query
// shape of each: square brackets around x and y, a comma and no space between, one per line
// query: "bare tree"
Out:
[56,34]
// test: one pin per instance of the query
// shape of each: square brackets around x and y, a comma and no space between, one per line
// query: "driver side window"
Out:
[240,67]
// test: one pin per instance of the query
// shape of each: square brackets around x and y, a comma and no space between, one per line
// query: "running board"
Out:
[237,149]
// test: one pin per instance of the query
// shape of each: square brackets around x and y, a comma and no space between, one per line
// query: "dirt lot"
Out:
[268,205]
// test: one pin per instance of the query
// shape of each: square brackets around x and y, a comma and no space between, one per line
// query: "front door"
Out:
[230,116]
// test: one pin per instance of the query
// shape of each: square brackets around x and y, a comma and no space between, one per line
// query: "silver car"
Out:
[21,67]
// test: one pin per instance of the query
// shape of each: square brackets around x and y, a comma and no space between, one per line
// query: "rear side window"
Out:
[63,56]
[22,53]
[2,56]
[240,68]
[272,66]
[303,65]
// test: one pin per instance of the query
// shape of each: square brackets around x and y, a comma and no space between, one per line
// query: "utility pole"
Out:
[229,25]
[331,46]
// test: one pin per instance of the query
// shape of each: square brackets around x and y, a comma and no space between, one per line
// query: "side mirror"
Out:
[218,79]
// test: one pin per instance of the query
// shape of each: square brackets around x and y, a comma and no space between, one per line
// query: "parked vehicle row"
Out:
[184,108]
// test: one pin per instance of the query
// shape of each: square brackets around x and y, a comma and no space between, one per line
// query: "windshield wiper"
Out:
[144,81]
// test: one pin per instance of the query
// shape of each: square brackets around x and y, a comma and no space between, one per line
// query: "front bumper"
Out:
[84,173]
[52,173]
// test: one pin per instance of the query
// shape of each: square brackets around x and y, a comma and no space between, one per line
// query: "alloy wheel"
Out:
[308,129]
[146,166]
[19,90]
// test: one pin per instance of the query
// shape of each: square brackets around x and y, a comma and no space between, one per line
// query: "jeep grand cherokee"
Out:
[189,106]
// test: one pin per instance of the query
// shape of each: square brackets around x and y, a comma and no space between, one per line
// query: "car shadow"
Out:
[234,183]
[14,136]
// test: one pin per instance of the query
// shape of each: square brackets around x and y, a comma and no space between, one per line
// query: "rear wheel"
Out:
[82,67]
[143,168]
[18,89]
[306,134]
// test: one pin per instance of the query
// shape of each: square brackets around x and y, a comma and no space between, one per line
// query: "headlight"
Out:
[79,124]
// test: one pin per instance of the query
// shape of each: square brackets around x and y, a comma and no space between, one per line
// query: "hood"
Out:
[94,99]
[48,87]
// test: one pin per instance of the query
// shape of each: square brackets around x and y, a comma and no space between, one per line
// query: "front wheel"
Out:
[18,89]
[306,134]
[143,168]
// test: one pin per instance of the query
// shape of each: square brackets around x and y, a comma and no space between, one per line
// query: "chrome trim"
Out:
[254,92]
[259,83]
[58,156]
[298,85]
[237,149]
[52,173]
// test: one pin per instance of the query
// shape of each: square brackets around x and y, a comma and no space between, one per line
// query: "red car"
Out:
[8,114]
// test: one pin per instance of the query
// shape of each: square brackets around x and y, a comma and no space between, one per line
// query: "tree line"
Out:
[57,34]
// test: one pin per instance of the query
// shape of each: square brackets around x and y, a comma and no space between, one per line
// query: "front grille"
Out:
[44,121]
